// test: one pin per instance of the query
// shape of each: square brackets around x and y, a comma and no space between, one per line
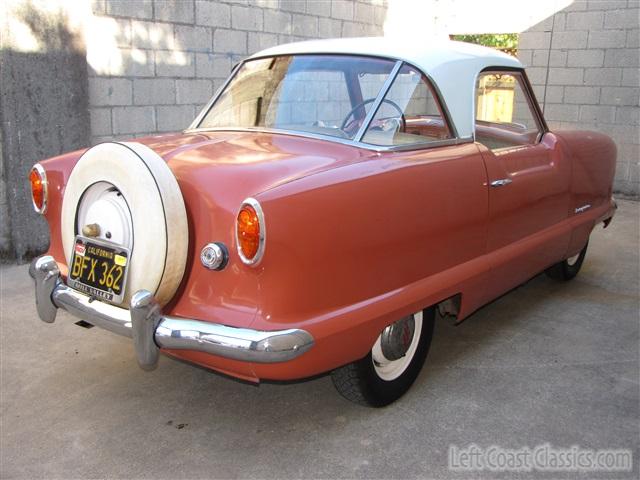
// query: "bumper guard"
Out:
[151,330]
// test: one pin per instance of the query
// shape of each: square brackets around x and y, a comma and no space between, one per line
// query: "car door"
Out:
[528,180]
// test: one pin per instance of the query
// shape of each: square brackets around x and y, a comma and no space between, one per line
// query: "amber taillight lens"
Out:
[250,232]
[38,181]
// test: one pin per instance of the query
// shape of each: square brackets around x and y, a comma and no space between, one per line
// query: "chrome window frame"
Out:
[357,140]
[530,96]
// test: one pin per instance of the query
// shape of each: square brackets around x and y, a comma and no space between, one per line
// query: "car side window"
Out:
[504,115]
[410,113]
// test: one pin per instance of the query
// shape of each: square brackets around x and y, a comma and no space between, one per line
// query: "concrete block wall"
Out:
[173,54]
[584,63]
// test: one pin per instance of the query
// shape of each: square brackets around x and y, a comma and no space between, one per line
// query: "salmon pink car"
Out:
[328,201]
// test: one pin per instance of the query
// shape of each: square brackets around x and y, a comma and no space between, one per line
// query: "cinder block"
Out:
[584,20]
[213,14]
[136,63]
[245,18]
[607,4]
[329,28]
[193,91]
[128,8]
[630,77]
[321,8]
[633,38]
[585,58]
[98,7]
[582,95]
[230,41]
[342,9]
[560,112]
[304,25]
[277,22]
[154,91]
[620,96]
[152,35]
[298,6]
[173,63]
[122,33]
[212,65]
[525,57]
[566,76]
[537,75]
[628,115]
[100,121]
[568,40]
[363,12]
[622,57]
[175,117]
[622,18]
[110,91]
[193,39]
[534,40]
[127,120]
[554,58]
[606,38]
[380,15]
[260,41]
[597,114]
[352,29]
[602,76]
[175,11]
[553,94]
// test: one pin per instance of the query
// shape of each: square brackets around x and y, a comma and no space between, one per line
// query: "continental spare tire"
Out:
[128,194]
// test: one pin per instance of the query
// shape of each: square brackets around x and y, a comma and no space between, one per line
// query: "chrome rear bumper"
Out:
[151,330]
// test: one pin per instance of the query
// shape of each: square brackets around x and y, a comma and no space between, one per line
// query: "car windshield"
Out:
[322,94]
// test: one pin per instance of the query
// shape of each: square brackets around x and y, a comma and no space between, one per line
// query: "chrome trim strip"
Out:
[45,189]
[151,329]
[343,141]
[374,108]
[252,202]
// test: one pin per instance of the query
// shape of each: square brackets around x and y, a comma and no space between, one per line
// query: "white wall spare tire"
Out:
[130,192]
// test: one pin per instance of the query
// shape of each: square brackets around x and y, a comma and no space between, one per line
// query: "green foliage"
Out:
[507,41]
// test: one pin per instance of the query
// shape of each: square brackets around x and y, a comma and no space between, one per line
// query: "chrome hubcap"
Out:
[104,214]
[396,338]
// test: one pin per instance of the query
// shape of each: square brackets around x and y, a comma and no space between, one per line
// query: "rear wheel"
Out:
[569,268]
[392,365]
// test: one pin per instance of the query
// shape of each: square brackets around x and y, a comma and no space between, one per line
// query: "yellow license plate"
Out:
[99,269]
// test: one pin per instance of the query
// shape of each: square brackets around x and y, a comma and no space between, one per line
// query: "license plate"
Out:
[99,269]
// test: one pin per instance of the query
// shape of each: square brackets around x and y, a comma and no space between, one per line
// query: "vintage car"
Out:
[328,201]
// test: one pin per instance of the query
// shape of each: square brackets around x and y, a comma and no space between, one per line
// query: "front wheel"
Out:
[392,365]
[569,268]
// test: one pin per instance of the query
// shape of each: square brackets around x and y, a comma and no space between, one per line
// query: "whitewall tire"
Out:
[131,190]
[392,365]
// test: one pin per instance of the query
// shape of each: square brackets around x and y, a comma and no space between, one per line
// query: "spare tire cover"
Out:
[158,219]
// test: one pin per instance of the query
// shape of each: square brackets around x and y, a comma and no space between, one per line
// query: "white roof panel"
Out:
[453,66]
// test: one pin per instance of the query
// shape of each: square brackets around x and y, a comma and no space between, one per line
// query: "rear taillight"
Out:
[38,179]
[250,232]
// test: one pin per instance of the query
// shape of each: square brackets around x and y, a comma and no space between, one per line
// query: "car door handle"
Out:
[501,183]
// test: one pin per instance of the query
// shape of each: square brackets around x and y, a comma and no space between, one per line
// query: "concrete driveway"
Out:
[548,363]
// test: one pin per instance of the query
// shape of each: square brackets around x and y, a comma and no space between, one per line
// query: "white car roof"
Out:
[453,66]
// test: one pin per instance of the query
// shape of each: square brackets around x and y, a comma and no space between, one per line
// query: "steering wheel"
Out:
[403,121]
